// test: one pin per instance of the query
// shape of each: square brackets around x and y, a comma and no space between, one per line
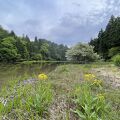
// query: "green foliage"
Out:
[114,51]
[26,101]
[14,48]
[89,105]
[116,60]
[3,33]
[8,50]
[22,49]
[37,57]
[42,98]
[107,43]
[82,53]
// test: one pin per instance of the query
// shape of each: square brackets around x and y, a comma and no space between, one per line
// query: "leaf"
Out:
[80,114]
[92,115]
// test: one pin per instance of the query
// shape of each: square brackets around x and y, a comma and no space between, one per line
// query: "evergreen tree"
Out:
[108,39]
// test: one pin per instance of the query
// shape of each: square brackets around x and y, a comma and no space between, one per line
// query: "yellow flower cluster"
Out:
[97,82]
[42,77]
[92,79]
[101,96]
[89,77]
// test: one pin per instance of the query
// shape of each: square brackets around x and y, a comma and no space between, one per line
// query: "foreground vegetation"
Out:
[70,92]
[25,100]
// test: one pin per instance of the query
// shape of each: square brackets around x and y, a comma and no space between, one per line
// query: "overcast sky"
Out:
[61,21]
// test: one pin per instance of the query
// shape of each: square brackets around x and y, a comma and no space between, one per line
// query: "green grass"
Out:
[42,61]
[67,78]
[26,101]
[66,83]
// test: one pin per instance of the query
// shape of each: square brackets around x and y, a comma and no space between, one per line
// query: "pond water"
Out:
[10,71]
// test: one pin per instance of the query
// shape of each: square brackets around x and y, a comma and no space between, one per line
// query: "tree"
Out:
[108,39]
[82,53]
[22,48]
[12,33]
[3,33]
[44,50]
[37,57]
[8,50]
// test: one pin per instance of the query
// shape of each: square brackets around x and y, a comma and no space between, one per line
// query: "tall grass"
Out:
[26,101]
[90,106]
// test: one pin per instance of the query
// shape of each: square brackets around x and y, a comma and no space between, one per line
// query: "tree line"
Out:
[14,48]
[107,44]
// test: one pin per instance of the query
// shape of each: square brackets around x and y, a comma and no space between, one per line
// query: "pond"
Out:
[9,72]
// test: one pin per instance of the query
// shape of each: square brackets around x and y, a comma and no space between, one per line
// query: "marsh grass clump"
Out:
[90,106]
[90,100]
[27,101]
[63,69]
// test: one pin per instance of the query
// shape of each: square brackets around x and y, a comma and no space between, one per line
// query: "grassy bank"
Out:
[42,61]
[71,92]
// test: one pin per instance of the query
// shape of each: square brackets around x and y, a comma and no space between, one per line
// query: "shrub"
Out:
[116,60]
[114,51]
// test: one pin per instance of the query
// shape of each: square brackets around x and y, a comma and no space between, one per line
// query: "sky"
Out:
[60,21]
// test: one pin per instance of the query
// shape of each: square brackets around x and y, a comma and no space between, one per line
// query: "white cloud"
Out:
[63,21]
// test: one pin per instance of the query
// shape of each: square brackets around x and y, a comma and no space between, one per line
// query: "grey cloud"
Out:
[62,21]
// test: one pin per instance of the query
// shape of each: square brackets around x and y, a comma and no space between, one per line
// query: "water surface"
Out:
[9,72]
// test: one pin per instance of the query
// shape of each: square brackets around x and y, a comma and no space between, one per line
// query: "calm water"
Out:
[10,72]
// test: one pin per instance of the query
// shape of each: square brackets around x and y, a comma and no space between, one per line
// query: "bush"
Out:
[116,60]
[114,51]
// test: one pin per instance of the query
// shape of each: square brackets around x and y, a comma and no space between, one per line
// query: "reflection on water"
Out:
[10,72]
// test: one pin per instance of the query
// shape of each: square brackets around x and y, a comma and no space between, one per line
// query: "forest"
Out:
[107,44]
[15,49]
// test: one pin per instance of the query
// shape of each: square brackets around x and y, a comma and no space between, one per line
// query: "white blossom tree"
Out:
[82,53]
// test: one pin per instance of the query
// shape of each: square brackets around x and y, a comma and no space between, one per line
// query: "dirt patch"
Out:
[61,109]
[109,75]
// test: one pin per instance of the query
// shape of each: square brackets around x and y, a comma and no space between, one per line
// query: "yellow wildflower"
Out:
[101,96]
[97,82]
[89,77]
[42,76]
